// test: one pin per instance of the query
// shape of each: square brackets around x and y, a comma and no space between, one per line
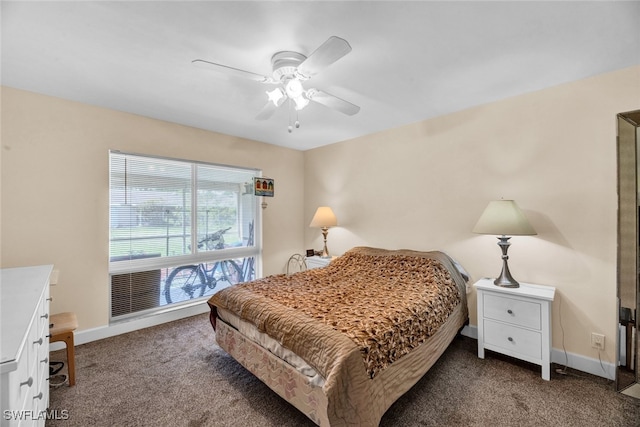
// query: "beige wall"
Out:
[55,189]
[423,186]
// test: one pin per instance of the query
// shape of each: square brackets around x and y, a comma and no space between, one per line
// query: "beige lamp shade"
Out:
[324,217]
[503,217]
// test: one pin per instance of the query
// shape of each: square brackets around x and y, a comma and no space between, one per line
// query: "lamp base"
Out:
[325,251]
[505,279]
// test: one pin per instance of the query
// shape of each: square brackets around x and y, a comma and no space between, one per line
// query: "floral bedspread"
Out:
[385,302]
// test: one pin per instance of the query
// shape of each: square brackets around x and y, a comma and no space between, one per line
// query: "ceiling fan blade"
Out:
[225,69]
[332,101]
[328,53]
[268,110]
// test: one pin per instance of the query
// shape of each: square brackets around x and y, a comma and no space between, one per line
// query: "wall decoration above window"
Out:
[263,186]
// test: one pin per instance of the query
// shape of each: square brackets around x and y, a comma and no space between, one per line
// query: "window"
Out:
[178,231]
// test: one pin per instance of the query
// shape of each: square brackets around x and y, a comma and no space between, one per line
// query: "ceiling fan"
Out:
[290,70]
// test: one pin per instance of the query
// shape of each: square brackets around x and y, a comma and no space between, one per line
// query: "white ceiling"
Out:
[411,60]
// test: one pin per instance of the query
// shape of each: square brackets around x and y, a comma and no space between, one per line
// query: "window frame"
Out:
[196,256]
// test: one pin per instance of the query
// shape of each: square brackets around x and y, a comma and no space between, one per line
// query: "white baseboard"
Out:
[574,361]
[470,331]
[124,326]
[586,364]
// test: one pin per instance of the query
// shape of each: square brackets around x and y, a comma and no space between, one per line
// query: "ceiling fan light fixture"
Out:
[276,96]
[295,91]
[293,88]
[301,102]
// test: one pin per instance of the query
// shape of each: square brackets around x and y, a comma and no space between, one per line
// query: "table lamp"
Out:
[504,218]
[324,218]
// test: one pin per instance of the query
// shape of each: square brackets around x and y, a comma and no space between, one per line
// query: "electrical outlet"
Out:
[597,341]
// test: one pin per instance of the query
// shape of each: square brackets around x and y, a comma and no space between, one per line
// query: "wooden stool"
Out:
[61,328]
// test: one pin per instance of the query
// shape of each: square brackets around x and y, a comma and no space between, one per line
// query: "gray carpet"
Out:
[176,375]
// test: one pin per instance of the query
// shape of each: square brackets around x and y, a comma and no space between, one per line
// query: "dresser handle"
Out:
[39,341]
[28,382]
[38,396]
[45,360]
[509,311]
[50,299]
[510,339]
[45,316]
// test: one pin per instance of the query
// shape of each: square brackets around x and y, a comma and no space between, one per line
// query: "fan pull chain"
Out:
[297,122]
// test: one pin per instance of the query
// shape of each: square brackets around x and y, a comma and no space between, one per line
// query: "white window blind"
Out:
[179,231]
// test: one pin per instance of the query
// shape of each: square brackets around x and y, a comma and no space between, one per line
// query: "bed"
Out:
[343,342]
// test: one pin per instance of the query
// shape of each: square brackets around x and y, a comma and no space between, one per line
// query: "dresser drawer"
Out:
[511,310]
[43,315]
[512,339]
[41,393]
[19,390]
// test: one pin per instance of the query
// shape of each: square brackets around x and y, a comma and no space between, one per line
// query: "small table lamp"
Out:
[324,218]
[502,218]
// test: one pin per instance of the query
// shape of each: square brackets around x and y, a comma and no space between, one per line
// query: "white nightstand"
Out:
[516,322]
[317,262]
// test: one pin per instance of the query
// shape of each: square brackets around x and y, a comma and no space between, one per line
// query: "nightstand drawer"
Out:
[513,339]
[514,311]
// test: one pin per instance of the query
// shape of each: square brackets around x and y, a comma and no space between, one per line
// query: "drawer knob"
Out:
[28,382]
[39,341]
[45,316]
[38,396]
[45,360]
[510,311]
[510,339]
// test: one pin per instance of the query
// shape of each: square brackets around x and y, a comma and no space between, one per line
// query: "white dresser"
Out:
[516,322]
[24,345]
